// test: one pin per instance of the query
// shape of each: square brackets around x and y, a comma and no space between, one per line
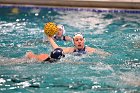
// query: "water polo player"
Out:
[55,55]
[57,31]
[79,46]
[60,35]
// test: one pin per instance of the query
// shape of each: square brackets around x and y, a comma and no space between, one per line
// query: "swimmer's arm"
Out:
[101,52]
[68,50]
[38,57]
[53,44]
[90,50]
[98,51]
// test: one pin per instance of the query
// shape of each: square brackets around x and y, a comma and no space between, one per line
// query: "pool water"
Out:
[114,31]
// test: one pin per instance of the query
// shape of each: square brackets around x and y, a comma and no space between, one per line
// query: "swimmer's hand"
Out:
[30,55]
[38,57]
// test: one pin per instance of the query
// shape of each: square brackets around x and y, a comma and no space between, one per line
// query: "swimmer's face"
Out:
[79,42]
[60,32]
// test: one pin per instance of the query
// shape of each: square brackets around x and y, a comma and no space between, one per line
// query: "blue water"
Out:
[113,31]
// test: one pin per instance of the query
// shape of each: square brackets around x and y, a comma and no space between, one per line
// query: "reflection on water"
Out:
[114,32]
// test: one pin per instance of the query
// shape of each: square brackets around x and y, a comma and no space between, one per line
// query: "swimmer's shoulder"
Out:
[90,49]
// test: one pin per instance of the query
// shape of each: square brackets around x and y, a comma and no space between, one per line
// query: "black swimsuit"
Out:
[60,38]
[47,59]
[79,52]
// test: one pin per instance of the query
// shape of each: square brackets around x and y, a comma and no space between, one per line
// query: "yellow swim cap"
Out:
[50,29]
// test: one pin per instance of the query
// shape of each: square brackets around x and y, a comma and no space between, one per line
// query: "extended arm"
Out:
[52,42]
[54,45]
[40,57]
[97,51]
[101,52]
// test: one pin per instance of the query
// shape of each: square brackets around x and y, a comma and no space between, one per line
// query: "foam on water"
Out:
[116,33]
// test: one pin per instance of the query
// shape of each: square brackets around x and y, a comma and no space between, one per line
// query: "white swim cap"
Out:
[78,34]
[61,27]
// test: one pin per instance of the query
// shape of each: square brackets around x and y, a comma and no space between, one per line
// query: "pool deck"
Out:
[123,4]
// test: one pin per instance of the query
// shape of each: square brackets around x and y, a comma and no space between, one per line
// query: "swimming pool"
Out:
[114,31]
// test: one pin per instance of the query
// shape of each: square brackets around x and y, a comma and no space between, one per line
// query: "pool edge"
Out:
[73,3]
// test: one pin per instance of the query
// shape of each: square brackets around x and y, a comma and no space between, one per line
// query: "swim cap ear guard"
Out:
[57,53]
